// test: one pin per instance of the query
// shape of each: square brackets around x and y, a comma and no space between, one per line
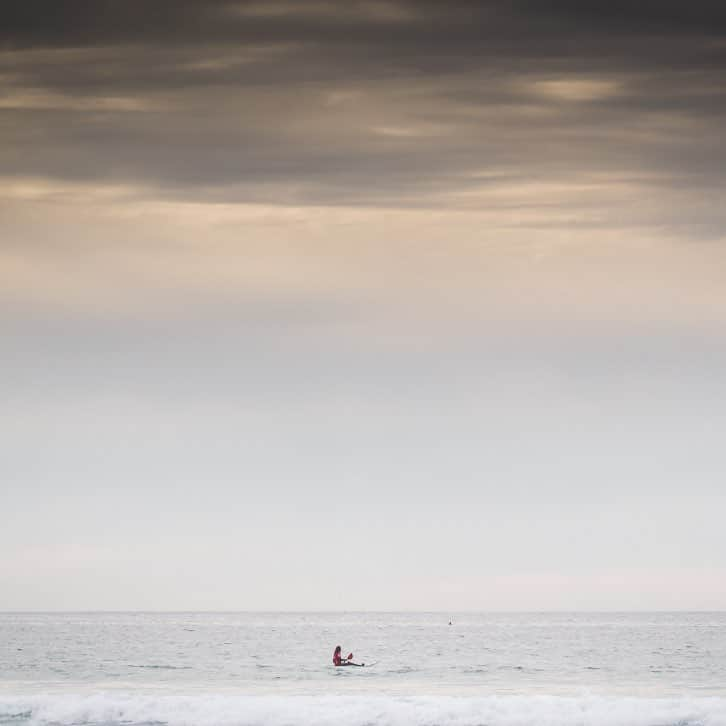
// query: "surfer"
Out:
[338,659]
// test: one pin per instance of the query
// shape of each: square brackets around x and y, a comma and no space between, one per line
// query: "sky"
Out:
[366,304]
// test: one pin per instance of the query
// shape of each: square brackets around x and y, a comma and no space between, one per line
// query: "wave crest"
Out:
[114,709]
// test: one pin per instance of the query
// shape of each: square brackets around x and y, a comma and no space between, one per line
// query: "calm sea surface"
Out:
[202,669]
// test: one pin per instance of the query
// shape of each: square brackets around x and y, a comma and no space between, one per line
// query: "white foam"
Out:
[226,710]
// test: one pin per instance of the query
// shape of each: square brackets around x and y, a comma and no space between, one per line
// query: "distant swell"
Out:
[216,710]
[160,666]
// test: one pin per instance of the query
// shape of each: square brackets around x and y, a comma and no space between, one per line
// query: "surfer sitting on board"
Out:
[338,660]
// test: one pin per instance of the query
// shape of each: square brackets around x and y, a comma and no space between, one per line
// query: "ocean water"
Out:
[273,669]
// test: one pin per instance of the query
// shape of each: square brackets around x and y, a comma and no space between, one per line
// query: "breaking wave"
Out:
[115,709]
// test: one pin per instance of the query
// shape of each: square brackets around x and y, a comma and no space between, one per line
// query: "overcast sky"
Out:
[362,304]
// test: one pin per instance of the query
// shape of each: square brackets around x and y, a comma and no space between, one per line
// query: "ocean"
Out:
[275,669]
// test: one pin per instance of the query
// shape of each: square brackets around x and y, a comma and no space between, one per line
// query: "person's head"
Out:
[337,649]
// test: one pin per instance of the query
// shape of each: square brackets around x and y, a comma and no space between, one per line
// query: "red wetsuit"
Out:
[336,658]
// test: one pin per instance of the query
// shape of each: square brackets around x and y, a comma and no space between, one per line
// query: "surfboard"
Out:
[358,665]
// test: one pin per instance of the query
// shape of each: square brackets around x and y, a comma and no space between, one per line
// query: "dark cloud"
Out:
[420,33]
[93,22]
[42,23]
[647,16]
[365,102]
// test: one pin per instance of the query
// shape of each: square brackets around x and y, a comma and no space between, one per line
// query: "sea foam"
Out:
[127,709]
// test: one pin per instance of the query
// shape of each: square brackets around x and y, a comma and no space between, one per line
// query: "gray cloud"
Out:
[378,103]
[382,103]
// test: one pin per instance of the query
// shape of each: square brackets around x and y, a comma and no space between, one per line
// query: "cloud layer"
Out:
[596,118]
